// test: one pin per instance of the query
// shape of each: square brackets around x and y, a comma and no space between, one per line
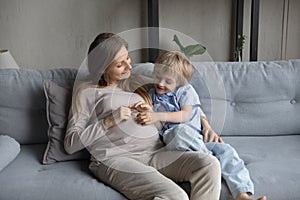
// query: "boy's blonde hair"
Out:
[176,63]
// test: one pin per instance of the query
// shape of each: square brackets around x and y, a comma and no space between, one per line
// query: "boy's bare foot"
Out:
[245,196]
[262,198]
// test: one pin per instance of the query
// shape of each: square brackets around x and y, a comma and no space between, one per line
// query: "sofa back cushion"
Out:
[250,98]
[23,103]
[247,98]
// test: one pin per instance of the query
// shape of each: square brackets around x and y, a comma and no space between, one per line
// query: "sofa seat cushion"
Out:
[26,178]
[273,163]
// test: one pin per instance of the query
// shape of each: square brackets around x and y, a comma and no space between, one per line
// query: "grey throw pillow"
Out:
[9,149]
[57,109]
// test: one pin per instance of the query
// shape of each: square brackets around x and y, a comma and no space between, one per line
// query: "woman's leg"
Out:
[233,169]
[200,169]
[136,180]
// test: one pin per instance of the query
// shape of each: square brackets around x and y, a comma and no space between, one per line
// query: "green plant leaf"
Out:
[176,40]
[196,49]
[190,50]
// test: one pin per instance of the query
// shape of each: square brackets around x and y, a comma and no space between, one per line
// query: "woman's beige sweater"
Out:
[85,129]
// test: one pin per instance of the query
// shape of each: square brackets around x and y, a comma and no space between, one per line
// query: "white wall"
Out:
[207,21]
[212,23]
[292,43]
[57,33]
[279,35]
[279,29]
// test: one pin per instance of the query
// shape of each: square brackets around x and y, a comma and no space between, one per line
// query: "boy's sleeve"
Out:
[188,96]
[202,114]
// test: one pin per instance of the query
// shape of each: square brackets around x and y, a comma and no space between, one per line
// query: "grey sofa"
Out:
[255,106]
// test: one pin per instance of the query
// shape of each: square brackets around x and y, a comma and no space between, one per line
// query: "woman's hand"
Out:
[117,116]
[140,106]
[209,135]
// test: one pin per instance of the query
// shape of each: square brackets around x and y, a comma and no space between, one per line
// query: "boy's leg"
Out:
[136,180]
[184,138]
[233,169]
[200,169]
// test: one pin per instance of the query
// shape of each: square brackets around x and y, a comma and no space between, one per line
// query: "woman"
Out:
[125,155]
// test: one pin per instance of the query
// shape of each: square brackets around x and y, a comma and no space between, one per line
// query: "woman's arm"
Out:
[84,125]
[80,135]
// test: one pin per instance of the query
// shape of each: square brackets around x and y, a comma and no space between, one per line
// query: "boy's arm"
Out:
[176,117]
[181,116]
[209,135]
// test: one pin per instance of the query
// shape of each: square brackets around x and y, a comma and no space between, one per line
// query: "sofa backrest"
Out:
[250,98]
[247,98]
[23,103]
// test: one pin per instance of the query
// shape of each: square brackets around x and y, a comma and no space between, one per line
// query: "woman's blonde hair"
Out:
[135,83]
[177,64]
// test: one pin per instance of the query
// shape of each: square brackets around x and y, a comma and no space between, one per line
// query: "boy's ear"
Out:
[181,81]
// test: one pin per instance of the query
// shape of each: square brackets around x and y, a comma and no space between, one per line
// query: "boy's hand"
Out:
[146,118]
[210,135]
[140,106]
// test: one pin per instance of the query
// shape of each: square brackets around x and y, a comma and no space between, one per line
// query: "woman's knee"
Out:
[215,164]
[214,171]
[211,164]
[174,194]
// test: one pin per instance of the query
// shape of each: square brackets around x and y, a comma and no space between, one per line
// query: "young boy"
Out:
[176,105]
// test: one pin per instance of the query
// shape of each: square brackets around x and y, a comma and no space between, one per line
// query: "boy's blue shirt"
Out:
[172,101]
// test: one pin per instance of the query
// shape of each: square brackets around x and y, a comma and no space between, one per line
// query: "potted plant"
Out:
[240,46]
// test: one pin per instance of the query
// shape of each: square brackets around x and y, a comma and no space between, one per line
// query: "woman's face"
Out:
[120,68]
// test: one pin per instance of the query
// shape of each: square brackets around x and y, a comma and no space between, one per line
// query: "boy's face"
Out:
[164,82]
